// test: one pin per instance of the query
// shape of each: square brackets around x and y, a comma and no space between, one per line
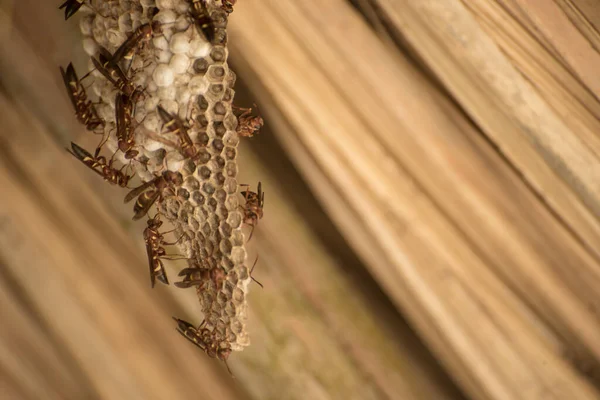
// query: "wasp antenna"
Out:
[252,270]
[113,156]
[181,257]
[88,74]
[177,241]
[257,282]
[254,265]
[102,142]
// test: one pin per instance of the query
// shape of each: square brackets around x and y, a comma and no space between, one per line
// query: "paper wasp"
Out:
[190,332]
[135,40]
[115,75]
[248,124]
[195,276]
[173,124]
[125,134]
[253,209]
[228,6]
[85,111]
[202,20]
[150,191]
[201,276]
[205,340]
[110,174]
[154,242]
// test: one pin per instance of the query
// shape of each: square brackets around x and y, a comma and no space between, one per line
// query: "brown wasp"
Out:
[135,41]
[71,7]
[253,209]
[204,340]
[201,276]
[154,242]
[173,124]
[85,111]
[202,20]
[228,6]
[150,191]
[195,276]
[247,123]
[124,115]
[190,332]
[115,75]
[106,170]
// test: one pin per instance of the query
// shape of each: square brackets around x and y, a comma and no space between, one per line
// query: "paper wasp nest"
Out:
[188,76]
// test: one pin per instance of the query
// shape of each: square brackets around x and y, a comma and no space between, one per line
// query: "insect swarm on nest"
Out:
[153,60]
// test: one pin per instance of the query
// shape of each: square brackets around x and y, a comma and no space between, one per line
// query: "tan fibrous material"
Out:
[188,76]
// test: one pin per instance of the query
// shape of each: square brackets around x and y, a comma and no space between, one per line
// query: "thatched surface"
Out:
[432,193]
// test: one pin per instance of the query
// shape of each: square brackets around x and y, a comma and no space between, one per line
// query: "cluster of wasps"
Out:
[148,193]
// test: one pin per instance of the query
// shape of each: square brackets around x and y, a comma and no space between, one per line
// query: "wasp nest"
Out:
[185,72]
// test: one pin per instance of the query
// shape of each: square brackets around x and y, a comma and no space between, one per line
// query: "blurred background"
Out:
[431,220]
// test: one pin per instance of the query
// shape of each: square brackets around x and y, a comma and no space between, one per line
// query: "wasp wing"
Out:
[121,109]
[159,273]
[71,7]
[145,201]
[189,332]
[127,46]
[138,190]
[71,83]
[81,154]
